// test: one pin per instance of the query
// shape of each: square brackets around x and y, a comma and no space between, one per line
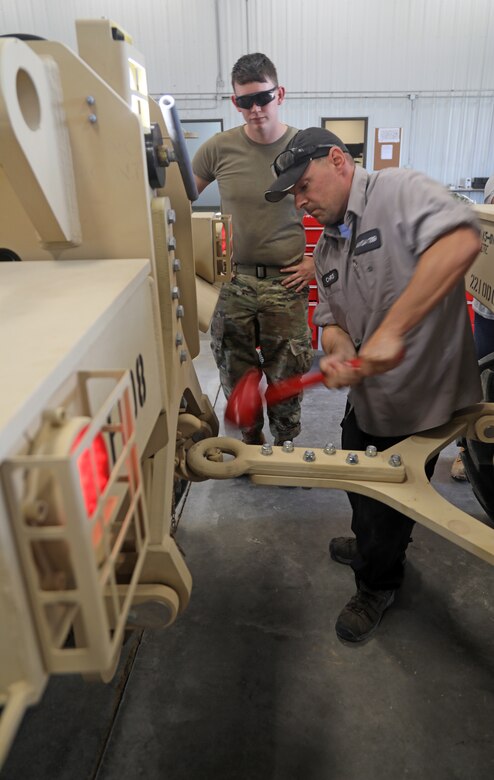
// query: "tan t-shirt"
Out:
[267,234]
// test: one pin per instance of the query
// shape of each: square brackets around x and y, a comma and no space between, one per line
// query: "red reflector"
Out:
[93,480]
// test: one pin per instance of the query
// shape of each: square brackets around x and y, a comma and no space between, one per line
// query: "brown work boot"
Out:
[363,613]
[458,468]
[255,438]
[343,549]
[280,440]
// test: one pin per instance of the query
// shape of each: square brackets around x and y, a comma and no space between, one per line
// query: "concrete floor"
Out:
[252,683]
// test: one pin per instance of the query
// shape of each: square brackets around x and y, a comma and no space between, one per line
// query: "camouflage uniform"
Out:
[252,311]
[263,313]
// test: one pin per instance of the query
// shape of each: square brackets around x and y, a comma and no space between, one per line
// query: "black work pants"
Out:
[382,533]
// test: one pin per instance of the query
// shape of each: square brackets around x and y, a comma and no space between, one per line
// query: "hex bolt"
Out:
[179,339]
[175,293]
[180,312]
[92,118]
[171,216]
[288,446]
[371,451]
[172,243]
[309,456]
[329,448]
[266,449]
[395,460]
[183,355]
[352,458]
[90,100]
[176,265]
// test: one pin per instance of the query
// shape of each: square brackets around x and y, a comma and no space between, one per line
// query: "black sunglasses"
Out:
[290,157]
[259,98]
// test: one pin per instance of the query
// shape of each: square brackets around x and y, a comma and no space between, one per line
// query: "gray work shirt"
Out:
[393,216]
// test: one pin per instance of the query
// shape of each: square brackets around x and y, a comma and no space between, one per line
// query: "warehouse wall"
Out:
[424,65]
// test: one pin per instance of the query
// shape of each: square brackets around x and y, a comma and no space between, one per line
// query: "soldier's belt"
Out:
[259,271]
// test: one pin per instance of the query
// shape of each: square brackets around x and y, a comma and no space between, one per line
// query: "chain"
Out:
[176,516]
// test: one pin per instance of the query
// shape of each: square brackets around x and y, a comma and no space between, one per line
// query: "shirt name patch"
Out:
[368,241]
[330,278]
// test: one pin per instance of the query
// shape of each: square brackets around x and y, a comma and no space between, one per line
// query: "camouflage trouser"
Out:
[263,313]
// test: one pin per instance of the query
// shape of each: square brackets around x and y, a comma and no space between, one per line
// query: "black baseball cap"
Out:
[289,166]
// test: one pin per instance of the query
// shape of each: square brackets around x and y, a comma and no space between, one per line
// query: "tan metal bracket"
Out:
[404,486]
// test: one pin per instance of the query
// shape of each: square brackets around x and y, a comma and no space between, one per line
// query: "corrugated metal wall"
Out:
[424,65]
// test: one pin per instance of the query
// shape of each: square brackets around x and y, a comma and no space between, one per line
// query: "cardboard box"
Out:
[479,280]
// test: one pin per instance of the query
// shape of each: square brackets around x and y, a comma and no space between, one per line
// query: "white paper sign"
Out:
[386,152]
[388,135]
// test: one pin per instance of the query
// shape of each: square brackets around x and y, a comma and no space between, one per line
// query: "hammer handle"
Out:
[287,388]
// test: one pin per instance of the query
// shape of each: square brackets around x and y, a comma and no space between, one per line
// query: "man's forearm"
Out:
[336,366]
[336,341]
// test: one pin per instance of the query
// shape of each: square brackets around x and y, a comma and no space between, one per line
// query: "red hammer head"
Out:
[245,402]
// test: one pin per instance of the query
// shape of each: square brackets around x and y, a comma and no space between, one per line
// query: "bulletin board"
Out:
[387,147]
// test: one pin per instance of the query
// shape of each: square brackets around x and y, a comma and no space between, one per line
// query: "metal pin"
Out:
[309,456]
[352,458]
[329,448]
[395,460]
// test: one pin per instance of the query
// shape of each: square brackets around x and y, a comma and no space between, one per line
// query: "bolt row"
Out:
[352,458]
[171,218]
